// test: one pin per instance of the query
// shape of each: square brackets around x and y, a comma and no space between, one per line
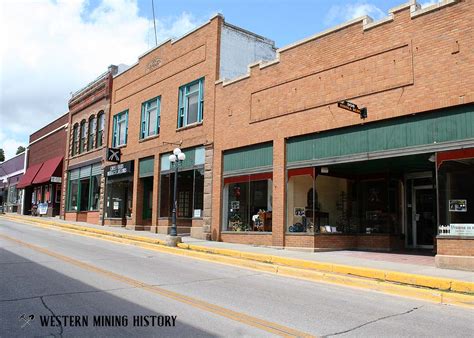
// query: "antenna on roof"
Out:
[154,23]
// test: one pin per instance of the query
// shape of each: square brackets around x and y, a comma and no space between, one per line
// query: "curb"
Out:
[440,290]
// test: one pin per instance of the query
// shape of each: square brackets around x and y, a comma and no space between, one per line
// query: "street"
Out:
[56,283]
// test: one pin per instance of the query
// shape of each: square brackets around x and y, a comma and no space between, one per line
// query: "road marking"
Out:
[209,307]
[407,291]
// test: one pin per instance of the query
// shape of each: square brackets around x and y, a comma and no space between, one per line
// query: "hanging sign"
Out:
[353,108]
[113,155]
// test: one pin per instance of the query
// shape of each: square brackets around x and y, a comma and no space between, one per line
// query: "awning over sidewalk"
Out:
[50,168]
[29,176]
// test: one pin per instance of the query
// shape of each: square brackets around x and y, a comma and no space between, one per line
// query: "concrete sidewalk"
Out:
[392,267]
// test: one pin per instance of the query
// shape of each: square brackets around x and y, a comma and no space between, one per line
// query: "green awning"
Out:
[256,158]
[146,167]
[422,131]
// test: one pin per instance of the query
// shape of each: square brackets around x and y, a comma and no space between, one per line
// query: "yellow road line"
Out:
[400,290]
[216,309]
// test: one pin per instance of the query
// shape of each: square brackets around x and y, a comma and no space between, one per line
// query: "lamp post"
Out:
[175,159]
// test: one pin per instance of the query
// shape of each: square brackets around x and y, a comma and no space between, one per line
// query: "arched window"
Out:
[82,140]
[91,132]
[100,129]
[75,137]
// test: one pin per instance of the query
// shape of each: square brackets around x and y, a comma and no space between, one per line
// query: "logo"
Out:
[26,319]
[155,63]
[113,155]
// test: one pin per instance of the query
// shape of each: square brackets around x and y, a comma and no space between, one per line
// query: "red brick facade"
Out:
[411,63]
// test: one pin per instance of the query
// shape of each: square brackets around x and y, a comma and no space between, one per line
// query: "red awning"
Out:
[50,168]
[29,176]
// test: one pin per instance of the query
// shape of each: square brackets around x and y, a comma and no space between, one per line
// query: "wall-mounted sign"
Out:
[125,168]
[55,179]
[42,208]
[353,108]
[457,205]
[113,154]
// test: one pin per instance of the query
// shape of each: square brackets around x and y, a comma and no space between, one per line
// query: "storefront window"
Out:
[189,193]
[84,192]
[342,203]
[119,198]
[95,192]
[247,201]
[456,196]
[73,195]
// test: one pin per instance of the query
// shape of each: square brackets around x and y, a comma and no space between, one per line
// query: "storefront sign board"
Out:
[462,229]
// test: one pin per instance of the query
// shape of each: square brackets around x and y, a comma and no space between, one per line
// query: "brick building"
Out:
[89,110]
[42,179]
[11,172]
[164,101]
[291,169]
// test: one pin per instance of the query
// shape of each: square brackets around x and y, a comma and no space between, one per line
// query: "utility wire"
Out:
[154,22]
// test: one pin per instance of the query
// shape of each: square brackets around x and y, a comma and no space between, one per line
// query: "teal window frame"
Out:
[145,118]
[183,98]
[121,117]
[89,197]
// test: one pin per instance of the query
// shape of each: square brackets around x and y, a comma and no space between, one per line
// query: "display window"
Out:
[342,203]
[248,203]
[190,193]
[119,196]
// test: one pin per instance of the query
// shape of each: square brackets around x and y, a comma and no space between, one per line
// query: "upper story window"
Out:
[100,129]
[75,137]
[191,103]
[91,132]
[82,140]
[150,124]
[120,130]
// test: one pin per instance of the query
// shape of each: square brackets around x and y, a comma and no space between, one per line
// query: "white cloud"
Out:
[52,48]
[338,14]
[428,3]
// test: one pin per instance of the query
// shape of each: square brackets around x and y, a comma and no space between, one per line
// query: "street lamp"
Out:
[175,159]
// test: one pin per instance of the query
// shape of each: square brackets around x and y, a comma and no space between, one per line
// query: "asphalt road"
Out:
[45,273]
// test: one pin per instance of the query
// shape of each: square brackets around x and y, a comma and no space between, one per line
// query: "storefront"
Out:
[247,194]
[374,186]
[119,193]
[11,172]
[455,242]
[42,188]
[84,190]
[190,191]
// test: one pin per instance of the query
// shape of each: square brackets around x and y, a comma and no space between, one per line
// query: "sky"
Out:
[51,48]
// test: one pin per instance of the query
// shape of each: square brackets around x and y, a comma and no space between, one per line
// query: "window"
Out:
[84,188]
[100,129]
[189,195]
[82,141]
[191,103]
[119,198]
[150,118]
[75,136]
[248,203]
[120,129]
[91,132]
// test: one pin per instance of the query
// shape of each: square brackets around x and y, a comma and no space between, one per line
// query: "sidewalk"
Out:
[370,264]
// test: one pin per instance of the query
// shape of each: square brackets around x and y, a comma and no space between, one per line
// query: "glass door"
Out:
[424,216]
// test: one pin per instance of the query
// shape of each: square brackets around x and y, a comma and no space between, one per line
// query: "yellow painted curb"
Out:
[282,265]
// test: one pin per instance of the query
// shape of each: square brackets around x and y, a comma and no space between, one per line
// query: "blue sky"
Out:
[51,48]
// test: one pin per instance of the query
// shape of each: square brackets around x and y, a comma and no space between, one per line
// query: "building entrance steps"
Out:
[404,268]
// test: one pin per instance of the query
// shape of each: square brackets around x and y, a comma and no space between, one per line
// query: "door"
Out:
[147,197]
[424,220]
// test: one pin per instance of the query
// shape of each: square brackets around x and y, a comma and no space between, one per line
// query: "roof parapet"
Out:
[367,23]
